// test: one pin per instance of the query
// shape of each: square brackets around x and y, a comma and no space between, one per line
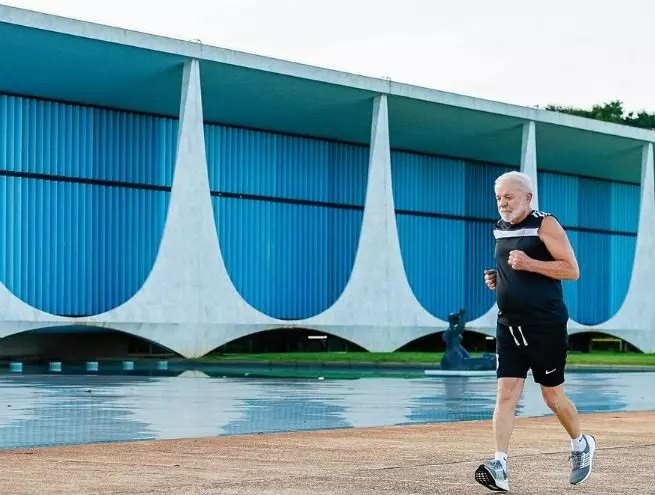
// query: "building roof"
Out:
[53,57]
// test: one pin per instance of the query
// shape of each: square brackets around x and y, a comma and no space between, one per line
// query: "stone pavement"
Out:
[418,459]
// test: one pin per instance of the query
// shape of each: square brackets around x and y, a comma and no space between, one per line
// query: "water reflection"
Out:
[63,409]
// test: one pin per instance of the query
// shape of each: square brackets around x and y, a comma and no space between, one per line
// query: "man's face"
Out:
[513,204]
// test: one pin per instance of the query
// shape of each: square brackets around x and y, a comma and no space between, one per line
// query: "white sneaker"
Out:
[492,475]
[582,462]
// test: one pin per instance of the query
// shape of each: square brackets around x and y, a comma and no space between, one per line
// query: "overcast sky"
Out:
[571,52]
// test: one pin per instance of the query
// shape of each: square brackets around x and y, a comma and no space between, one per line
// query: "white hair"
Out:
[519,178]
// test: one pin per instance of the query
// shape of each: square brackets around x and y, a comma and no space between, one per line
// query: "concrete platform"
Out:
[423,459]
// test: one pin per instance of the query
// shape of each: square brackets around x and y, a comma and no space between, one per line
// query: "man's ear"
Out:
[529,196]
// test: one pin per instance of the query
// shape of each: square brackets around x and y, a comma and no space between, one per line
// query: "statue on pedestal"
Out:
[456,357]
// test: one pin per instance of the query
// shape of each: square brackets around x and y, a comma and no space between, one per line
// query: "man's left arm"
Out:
[565,266]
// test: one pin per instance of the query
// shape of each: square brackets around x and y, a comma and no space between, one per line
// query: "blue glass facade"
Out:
[601,219]
[86,192]
[445,211]
[288,212]
[84,202]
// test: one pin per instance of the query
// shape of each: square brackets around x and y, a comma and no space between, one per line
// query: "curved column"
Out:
[378,303]
[636,317]
[188,295]
[529,159]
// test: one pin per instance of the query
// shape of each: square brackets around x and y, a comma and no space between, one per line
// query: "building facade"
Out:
[191,195]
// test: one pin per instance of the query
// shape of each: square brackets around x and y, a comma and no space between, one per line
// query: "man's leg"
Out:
[548,370]
[565,411]
[583,446]
[511,372]
[494,473]
[507,397]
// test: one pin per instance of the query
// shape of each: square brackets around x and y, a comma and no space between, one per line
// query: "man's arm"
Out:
[565,266]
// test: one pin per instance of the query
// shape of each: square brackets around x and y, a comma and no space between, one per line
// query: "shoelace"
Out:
[579,460]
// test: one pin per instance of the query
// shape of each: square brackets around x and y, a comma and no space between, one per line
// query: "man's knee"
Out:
[509,391]
[554,397]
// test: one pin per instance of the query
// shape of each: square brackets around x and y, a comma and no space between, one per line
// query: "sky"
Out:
[533,53]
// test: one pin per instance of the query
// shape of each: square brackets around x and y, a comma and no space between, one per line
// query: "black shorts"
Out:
[540,348]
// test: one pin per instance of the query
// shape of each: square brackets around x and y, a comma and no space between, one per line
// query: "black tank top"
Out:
[526,298]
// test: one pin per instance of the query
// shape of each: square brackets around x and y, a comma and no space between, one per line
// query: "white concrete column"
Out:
[529,158]
[377,305]
[188,302]
[635,320]
[183,283]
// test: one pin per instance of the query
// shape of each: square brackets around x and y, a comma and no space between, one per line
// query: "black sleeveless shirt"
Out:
[526,298]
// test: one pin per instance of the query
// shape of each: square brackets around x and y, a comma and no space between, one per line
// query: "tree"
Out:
[610,112]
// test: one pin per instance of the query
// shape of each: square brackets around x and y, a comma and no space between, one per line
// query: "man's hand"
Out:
[518,260]
[490,279]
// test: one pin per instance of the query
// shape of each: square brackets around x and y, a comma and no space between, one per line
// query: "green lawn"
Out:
[365,357]
[594,358]
[611,358]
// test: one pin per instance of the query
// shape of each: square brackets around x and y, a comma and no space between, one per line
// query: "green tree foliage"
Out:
[610,112]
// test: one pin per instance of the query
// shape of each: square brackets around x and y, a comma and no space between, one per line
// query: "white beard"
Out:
[510,217]
[507,217]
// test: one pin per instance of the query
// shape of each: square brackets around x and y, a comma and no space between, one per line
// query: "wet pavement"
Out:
[416,459]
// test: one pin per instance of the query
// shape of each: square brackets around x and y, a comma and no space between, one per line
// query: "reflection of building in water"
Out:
[455,399]
[607,391]
[81,409]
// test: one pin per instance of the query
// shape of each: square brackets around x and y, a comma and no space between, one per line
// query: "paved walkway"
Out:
[423,459]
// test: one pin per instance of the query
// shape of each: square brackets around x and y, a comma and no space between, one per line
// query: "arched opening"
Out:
[599,342]
[472,342]
[287,340]
[77,342]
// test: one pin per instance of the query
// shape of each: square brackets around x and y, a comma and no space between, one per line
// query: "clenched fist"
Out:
[519,260]
[490,279]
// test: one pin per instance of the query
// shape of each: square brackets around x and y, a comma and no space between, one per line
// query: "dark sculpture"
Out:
[458,358]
